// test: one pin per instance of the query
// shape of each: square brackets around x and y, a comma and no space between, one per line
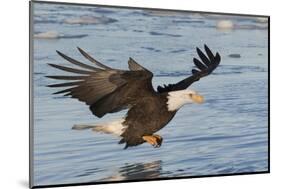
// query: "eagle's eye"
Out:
[190,95]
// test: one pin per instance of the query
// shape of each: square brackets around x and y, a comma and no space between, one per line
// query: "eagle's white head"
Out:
[176,99]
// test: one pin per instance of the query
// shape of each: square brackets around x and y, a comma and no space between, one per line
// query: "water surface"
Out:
[227,134]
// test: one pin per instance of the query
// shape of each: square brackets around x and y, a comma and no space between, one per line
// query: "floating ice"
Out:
[56,35]
[47,35]
[225,25]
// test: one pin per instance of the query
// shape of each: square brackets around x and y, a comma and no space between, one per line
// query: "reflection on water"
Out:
[138,171]
[88,172]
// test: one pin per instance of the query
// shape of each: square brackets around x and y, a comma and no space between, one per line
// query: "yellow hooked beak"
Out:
[197,98]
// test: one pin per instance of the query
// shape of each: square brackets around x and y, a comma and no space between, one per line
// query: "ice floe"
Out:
[47,35]
[56,35]
[225,25]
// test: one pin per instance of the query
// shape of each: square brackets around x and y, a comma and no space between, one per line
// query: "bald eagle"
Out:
[108,90]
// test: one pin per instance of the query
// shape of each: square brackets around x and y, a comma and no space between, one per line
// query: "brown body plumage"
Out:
[145,119]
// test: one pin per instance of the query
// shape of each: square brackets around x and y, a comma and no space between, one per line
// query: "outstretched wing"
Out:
[104,89]
[204,67]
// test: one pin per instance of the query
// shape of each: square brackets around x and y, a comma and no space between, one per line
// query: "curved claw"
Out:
[154,140]
[159,140]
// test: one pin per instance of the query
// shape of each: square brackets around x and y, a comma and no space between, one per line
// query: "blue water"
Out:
[227,134]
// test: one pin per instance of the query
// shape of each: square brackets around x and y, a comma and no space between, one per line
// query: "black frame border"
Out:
[31,105]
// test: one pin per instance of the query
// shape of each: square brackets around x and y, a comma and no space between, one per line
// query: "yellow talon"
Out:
[154,140]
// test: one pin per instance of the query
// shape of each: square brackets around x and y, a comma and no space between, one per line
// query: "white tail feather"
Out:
[114,127]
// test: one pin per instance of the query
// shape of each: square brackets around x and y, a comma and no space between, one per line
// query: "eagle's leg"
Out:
[159,139]
[154,140]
